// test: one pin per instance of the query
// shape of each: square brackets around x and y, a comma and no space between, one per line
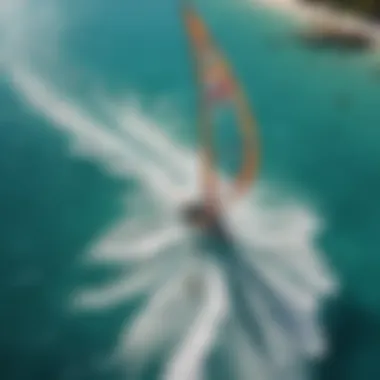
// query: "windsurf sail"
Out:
[217,87]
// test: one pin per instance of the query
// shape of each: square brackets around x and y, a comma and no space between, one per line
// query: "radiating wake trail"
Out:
[188,358]
[146,248]
[91,136]
[274,239]
[270,238]
[66,116]
[147,333]
[144,279]
[152,137]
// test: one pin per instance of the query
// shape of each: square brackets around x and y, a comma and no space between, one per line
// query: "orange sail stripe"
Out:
[196,30]
[217,84]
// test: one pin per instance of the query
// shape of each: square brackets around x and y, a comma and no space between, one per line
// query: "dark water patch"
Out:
[52,207]
[355,339]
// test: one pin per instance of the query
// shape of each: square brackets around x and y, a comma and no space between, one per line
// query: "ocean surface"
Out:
[97,149]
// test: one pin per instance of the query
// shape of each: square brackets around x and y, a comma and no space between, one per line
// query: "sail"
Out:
[218,86]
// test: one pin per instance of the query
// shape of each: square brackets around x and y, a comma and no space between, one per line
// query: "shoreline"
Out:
[316,15]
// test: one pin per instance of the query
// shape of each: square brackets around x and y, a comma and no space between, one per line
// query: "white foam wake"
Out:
[280,237]
[122,160]
[273,231]
[188,358]
[95,139]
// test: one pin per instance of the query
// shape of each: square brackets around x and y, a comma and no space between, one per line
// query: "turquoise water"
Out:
[319,118]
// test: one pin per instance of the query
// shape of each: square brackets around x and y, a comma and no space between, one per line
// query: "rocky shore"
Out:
[325,24]
[322,35]
[366,8]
